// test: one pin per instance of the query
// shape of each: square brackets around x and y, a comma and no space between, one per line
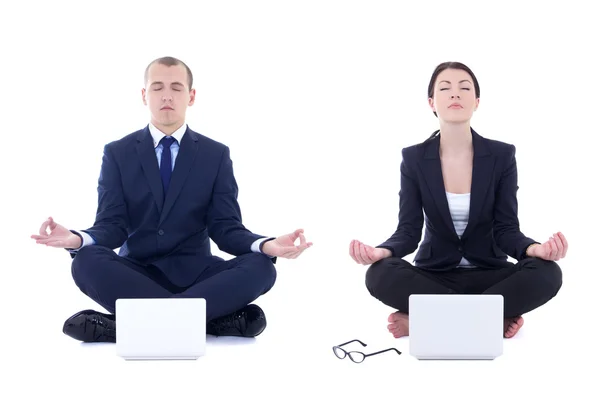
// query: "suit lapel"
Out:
[147,155]
[183,165]
[483,167]
[431,168]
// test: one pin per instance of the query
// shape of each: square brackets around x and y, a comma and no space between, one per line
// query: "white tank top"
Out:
[459,211]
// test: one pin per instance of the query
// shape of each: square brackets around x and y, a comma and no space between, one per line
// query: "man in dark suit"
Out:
[463,188]
[163,192]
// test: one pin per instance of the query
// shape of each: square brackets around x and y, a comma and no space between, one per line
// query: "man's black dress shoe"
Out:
[249,321]
[91,326]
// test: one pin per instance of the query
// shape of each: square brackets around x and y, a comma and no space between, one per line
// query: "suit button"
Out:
[460,248]
[161,232]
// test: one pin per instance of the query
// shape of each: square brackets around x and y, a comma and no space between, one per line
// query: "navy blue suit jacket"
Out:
[492,231]
[172,234]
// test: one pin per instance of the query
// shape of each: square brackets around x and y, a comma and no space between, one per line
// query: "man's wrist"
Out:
[262,244]
[75,233]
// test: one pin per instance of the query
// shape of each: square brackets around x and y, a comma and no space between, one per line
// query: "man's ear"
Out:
[192,97]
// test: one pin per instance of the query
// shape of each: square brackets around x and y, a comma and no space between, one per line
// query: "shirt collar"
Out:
[157,134]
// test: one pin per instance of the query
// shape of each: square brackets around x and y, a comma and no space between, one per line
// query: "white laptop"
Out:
[456,326]
[161,329]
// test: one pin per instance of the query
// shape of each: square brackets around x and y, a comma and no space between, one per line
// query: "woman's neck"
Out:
[455,139]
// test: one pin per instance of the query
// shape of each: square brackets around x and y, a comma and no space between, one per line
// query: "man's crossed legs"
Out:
[228,287]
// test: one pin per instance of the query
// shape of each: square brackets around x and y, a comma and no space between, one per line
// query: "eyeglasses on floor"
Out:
[357,356]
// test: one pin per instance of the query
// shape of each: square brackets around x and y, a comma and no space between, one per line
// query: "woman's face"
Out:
[454,96]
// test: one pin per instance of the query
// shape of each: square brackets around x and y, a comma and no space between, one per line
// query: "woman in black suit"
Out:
[463,187]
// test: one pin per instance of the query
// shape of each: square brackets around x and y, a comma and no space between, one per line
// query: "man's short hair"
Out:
[170,62]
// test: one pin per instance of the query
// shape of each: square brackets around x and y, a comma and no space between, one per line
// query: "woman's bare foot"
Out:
[512,326]
[398,324]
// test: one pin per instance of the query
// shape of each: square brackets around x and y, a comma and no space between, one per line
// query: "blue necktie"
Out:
[165,162]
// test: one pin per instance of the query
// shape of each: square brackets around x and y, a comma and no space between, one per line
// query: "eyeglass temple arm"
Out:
[355,340]
[383,351]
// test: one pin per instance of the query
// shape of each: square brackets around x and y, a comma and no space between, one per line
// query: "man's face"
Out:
[167,95]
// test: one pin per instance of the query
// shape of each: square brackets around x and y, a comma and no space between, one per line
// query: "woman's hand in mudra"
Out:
[553,249]
[365,254]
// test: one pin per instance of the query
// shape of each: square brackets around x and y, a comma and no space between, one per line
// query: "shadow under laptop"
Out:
[211,341]
[228,340]
[96,344]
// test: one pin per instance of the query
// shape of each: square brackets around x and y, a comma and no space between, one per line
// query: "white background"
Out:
[316,99]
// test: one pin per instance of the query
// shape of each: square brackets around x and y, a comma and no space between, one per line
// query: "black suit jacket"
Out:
[493,229]
[172,234]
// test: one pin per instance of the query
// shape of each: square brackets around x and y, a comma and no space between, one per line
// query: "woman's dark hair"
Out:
[445,66]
